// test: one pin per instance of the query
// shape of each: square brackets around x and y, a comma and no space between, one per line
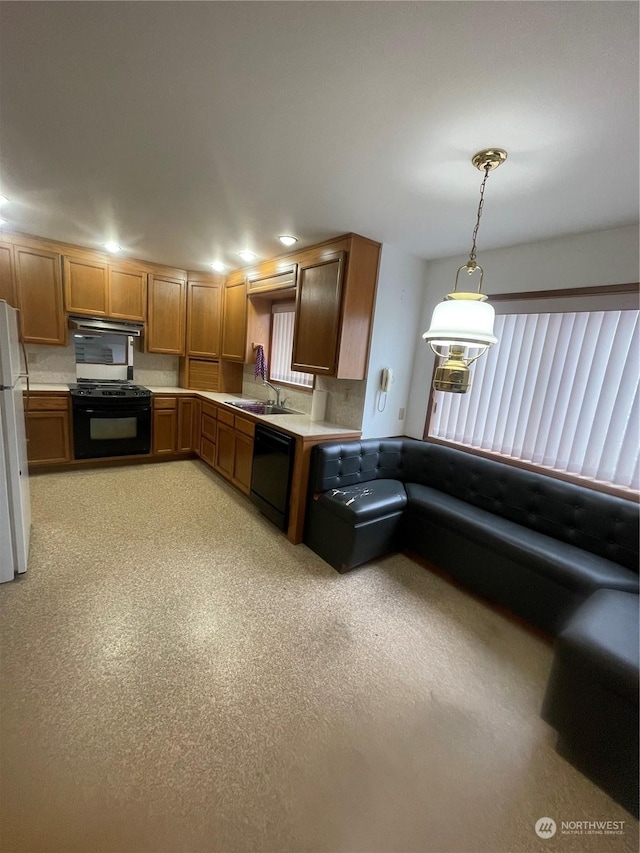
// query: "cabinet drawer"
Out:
[210,410]
[208,428]
[165,403]
[225,417]
[207,451]
[245,426]
[48,404]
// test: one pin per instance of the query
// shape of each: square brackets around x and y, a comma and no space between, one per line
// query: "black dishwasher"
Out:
[271,475]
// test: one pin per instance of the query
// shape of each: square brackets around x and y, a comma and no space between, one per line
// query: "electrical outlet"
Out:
[401,414]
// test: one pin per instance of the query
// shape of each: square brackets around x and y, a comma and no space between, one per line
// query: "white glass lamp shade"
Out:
[462,322]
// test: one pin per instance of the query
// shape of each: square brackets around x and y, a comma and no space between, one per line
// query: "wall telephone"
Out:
[386,378]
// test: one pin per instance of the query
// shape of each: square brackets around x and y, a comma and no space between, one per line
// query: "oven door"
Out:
[122,430]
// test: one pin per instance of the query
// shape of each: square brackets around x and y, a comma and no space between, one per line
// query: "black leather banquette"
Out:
[534,544]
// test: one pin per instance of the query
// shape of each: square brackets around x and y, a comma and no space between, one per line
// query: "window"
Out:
[559,390]
[282,321]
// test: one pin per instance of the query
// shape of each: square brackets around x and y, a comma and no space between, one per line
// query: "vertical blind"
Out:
[282,349]
[558,390]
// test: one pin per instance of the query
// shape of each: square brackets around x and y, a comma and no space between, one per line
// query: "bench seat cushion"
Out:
[564,564]
[367,501]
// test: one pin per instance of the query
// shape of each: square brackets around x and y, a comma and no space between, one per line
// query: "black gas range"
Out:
[110,419]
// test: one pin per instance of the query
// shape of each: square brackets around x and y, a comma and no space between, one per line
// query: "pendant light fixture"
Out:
[464,320]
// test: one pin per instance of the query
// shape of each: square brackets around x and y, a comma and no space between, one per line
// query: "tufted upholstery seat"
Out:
[534,544]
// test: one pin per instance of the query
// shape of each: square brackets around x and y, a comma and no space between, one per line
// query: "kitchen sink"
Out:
[263,408]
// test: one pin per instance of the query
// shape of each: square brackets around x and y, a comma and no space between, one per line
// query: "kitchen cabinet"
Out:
[335,294]
[234,449]
[234,319]
[188,421]
[127,293]
[7,278]
[199,374]
[317,321]
[48,425]
[175,425]
[166,309]
[208,429]
[203,317]
[97,289]
[282,279]
[39,285]
[85,286]
[165,425]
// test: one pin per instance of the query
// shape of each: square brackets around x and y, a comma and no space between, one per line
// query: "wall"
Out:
[580,260]
[58,365]
[396,324]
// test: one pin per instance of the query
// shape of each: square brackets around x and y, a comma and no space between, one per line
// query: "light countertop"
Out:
[297,425]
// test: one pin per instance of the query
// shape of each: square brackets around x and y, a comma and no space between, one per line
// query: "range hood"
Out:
[112,327]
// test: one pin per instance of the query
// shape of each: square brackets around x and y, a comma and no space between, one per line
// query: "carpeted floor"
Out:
[176,676]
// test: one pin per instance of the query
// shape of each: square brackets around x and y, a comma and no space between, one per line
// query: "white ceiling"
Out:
[187,131]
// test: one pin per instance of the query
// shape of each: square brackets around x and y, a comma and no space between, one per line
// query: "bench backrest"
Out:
[603,524]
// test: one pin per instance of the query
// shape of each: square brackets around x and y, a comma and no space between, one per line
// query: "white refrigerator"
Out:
[15,506]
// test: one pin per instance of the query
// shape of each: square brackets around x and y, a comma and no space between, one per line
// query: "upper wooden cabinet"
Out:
[166,321]
[234,318]
[203,317]
[98,289]
[276,279]
[7,278]
[85,287]
[317,323]
[39,284]
[335,293]
[127,293]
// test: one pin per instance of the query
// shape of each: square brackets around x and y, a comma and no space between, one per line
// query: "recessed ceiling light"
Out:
[287,239]
[112,247]
[247,255]
[3,200]
[218,266]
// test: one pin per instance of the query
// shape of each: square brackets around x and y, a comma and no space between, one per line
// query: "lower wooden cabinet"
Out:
[243,462]
[234,450]
[188,420]
[48,424]
[175,422]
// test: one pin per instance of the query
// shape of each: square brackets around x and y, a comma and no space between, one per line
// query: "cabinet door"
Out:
[85,287]
[127,294]
[7,279]
[38,275]
[225,450]
[186,424]
[317,323]
[208,422]
[243,462]
[234,322]
[203,319]
[48,437]
[165,431]
[166,325]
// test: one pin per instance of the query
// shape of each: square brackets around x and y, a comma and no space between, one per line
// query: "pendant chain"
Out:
[472,255]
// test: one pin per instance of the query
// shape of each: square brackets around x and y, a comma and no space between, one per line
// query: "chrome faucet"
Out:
[274,388]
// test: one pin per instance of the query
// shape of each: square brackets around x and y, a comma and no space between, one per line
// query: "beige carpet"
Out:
[176,676]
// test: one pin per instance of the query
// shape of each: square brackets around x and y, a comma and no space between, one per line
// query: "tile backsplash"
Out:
[345,400]
[58,365]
